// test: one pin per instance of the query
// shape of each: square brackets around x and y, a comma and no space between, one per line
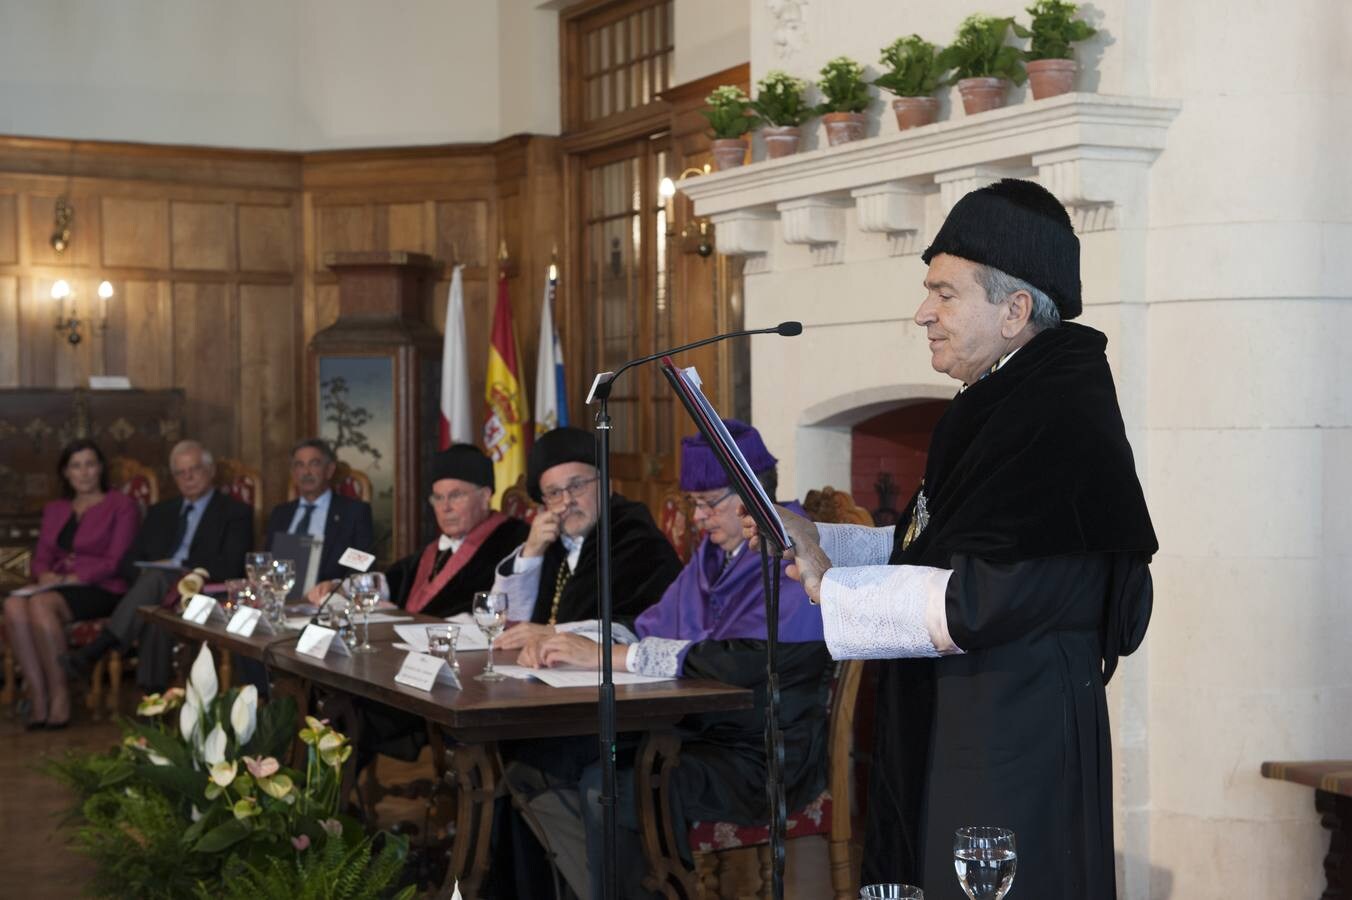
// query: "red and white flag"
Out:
[455,416]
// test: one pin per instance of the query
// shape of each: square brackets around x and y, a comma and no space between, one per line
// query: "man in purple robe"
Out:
[710,623]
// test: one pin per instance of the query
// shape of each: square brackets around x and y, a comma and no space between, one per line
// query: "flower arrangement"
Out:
[843,87]
[726,111]
[196,801]
[780,100]
[913,68]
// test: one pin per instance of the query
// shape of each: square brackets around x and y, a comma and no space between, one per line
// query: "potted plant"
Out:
[730,121]
[983,63]
[780,106]
[1051,61]
[845,96]
[913,76]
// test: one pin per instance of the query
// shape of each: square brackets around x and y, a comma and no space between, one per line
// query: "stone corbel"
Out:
[1093,182]
[954,183]
[746,232]
[896,209]
[818,222]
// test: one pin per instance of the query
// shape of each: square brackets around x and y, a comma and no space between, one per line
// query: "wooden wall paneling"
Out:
[342,228]
[462,234]
[9,331]
[83,249]
[135,232]
[202,236]
[206,359]
[143,334]
[267,372]
[267,238]
[404,227]
[37,336]
[9,229]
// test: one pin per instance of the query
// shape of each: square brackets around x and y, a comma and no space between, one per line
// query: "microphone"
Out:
[600,389]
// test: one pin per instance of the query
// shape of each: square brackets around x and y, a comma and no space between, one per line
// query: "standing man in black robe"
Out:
[1018,578]
[552,577]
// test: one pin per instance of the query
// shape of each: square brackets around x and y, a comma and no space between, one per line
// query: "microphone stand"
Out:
[600,394]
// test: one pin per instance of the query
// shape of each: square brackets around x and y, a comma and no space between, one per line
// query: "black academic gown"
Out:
[642,562]
[1035,506]
[457,595]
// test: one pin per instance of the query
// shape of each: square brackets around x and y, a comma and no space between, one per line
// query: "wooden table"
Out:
[1332,783]
[475,716]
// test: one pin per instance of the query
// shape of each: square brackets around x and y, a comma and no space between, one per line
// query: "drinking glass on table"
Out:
[490,614]
[441,641]
[890,892]
[365,588]
[280,578]
[984,858]
[255,565]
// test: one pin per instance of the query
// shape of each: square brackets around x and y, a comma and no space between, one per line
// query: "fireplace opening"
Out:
[887,457]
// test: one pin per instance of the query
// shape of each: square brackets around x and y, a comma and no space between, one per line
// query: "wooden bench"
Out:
[1332,783]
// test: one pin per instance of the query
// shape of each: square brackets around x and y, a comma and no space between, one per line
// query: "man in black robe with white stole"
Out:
[1018,577]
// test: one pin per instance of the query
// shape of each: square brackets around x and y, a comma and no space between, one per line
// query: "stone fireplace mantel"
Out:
[1088,149]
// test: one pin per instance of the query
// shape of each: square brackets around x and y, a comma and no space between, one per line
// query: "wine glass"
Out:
[985,860]
[490,614]
[236,589]
[281,578]
[890,892]
[441,641]
[255,564]
[366,595]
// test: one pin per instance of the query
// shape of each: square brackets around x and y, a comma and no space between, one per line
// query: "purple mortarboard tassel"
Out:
[700,470]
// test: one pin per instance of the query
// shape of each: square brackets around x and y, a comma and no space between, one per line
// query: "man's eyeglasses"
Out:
[572,489]
[708,506]
[452,497]
[189,470]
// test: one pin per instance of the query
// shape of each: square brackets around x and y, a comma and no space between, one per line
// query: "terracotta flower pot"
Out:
[729,153]
[1049,77]
[841,128]
[912,112]
[982,94]
[781,140]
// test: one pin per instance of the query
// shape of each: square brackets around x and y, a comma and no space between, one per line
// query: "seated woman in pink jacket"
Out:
[81,542]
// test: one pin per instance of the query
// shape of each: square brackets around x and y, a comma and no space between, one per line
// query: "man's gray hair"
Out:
[1000,284]
[185,446]
[324,447]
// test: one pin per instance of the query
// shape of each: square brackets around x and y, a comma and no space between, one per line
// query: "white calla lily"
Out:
[213,751]
[189,716]
[244,714]
[203,676]
[223,773]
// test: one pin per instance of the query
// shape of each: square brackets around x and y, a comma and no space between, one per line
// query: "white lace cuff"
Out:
[522,586]
[886,612]
[856,545]
[659,657]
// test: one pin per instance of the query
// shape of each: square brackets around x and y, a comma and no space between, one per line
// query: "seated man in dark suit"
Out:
[204,528]
[319,511]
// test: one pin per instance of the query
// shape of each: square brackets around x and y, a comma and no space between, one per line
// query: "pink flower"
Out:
[301,842]
[332,827]
[261,768]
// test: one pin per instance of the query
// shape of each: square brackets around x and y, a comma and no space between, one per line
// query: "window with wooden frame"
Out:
[616,60]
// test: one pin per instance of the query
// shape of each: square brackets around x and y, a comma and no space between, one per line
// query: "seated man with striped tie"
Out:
[340,522]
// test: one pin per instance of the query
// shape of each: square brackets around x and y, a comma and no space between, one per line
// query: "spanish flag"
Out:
[507,421]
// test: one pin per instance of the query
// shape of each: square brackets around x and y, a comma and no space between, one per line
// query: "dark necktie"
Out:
[443,556]
[303,526]
[182,527]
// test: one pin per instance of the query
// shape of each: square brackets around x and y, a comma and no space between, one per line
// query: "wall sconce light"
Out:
[62,217]
[698,235]
[67,310]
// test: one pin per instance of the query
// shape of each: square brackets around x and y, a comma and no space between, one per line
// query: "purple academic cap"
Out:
[700,470]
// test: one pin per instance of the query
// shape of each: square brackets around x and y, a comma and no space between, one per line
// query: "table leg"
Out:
[474,773]
[1336,815]
[298,689]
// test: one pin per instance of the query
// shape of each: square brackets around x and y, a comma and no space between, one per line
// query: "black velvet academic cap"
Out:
[554,448]
[463,462]
[1019,228]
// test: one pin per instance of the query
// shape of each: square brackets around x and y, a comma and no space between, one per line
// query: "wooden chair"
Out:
[677,521]
[137,480]
[828,815]
[517,503]
[244,484]
[346,481]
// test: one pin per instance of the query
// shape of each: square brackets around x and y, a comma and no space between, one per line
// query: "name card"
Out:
[248,621]
[317,641]
[422,671]
[353,558]
[203,609]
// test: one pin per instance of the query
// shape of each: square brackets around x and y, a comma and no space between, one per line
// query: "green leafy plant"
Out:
[338,871]
[727,113]
[843,87]
[196,794]
[913,68]
[979,50]
[780,100]
[1054,28]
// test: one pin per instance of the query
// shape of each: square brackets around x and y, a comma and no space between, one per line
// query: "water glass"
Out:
[280,578]
[441,641]
[366,596]
[490,614]
[890,892]
[255,565]
[984,859]
[237,594]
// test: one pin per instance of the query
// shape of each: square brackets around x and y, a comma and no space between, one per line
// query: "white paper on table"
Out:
[31,590]
[471,638]
[567,677]
[520,672]
[297,623]
[379,618]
